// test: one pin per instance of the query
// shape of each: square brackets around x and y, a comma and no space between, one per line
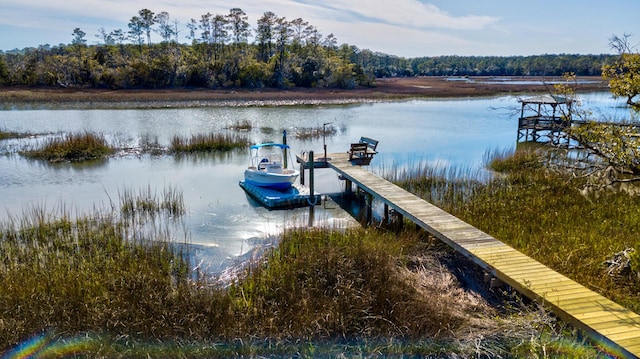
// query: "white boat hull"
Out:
[280,181]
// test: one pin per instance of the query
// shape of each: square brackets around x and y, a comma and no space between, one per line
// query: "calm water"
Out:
[222,222]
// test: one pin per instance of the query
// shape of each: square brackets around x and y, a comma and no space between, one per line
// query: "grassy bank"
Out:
[112,285]
[543,211]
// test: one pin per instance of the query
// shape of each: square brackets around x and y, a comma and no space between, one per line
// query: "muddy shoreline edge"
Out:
[388,89]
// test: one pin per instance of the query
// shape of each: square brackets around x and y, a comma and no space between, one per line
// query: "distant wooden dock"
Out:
[550,118]
[606,322]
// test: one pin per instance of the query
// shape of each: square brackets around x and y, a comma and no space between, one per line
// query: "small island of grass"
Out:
[73,148]
[208,142]
[5,135]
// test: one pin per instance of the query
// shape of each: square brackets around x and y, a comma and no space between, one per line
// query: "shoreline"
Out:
[386,89]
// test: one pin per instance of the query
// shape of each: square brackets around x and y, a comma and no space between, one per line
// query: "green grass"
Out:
[208,142]
[73,148]
[541,209]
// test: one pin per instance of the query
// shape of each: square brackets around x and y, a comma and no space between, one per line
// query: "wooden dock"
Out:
[549,118]
[606,322]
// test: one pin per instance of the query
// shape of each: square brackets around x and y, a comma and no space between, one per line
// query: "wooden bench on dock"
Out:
[363,151]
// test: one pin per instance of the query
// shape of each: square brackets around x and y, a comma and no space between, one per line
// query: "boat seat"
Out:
[263,164]
[274,167]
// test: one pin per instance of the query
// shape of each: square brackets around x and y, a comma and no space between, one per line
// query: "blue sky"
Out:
[408,28]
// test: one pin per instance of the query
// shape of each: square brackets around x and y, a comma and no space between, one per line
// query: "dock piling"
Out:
[311,180]
[369,207]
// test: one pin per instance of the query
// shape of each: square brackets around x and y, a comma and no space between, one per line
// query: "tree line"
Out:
[226,51]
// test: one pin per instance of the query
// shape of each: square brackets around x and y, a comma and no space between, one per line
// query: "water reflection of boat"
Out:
[268,167]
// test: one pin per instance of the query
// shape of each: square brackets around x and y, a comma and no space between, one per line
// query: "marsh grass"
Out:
[547,346]
[4,135]
[437,183]
[529,157]
[267,130]
[116,290]
[72,147]
[151,145]
[89,274]
[539,208]
[241,125]
[334,284]
[148,202]
[208,142]
[306,133]
[390,294]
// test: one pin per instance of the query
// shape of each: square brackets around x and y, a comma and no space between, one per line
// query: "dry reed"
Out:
[72,147]
[208,142]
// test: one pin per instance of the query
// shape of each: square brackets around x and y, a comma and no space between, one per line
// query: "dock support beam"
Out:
[369,209]
[348,187]
[311,181]
[311,190]
[385,216]
[286,151]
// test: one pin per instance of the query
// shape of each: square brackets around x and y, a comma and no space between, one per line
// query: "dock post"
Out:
[302,172]
[385,215]
[311,179]
[311,191]
[286,151]
[312,211]
[348,187]
[369,204]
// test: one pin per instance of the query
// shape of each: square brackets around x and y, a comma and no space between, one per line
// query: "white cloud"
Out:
[408,13]
[399,27]
[397,40]
[416,14]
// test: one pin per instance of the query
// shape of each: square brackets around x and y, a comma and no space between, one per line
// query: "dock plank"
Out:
[564,296]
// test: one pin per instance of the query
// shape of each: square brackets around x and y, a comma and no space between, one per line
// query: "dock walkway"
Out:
[602,319]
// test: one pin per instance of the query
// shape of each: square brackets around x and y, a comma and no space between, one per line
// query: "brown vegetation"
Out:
[73,148]
[384,89]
